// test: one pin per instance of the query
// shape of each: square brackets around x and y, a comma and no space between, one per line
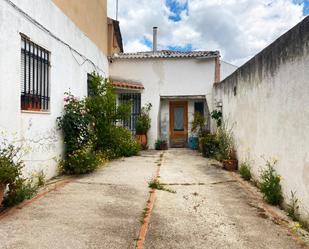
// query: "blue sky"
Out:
[177,8]
[306,5]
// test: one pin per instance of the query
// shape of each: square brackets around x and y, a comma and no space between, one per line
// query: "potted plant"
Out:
[198,130]
[30,102]
[143,123]
[161,144]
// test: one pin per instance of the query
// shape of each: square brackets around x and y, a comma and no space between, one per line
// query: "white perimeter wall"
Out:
[270,114]
[36,129]
[226,69]
[166,77]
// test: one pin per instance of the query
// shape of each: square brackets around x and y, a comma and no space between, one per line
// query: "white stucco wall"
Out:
[166,77]
[226,69]
[270,115]
[37,129]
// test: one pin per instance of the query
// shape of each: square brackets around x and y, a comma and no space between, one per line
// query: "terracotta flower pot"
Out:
[142,140]
[163,146]
[230,165]
[2,188]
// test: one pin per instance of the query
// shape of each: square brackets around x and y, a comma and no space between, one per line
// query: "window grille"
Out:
[35,90]
[89,80]
[135,98]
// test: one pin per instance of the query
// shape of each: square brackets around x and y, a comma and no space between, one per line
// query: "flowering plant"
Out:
[270,184]
[75,123]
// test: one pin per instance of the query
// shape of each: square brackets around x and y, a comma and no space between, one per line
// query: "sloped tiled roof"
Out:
[127,84]
[166,54]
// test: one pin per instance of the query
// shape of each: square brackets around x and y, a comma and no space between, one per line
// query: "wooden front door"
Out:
[178,123]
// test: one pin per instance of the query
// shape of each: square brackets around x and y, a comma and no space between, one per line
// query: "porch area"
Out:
[176,116]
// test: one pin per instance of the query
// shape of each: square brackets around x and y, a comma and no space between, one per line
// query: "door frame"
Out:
[174,134]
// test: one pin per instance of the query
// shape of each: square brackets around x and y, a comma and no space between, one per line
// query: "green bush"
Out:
[245,171]
[80,161]
[122,143]
[90,131]
[20,190]
[104,111]
[210,145]
[219,145]
[225,143]
[270,184]
[74,123]
[9,170]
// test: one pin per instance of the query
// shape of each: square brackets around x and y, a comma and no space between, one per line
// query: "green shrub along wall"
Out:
[89,129]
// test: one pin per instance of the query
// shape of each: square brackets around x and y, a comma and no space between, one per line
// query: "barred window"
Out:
[35,90]
[135,98]
[89,80]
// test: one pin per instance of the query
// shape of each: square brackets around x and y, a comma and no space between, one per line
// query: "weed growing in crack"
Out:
[293,207]
[270,184]
[245,171]
[155,184]
[144,215]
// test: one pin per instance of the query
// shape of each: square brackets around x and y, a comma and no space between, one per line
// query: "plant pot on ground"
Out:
[193,143]
[231,164]
[142,140]
[161,145]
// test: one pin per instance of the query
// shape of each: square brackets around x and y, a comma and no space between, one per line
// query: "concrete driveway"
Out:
[210,209]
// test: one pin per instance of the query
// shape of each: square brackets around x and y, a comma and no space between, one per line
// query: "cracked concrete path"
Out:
[100,210]
[210,210]
[103,210]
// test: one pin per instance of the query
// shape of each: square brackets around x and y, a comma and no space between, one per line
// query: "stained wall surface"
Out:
[266,102]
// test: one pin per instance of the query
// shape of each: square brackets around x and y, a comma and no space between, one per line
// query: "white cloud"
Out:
[237,28]
[136,45]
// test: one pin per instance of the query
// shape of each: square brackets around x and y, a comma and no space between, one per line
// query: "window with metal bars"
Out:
[35,89]
[135,99]
[89,80]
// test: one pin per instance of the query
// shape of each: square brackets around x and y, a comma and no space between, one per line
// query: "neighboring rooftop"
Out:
[166,54]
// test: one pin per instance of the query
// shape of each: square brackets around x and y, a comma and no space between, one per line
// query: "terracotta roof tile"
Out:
[127,84]
[166,54]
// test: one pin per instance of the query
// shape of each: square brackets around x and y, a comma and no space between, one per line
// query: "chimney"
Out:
[155,39]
